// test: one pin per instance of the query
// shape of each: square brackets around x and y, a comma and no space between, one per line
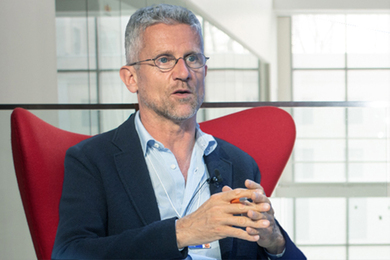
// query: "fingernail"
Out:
[265,223]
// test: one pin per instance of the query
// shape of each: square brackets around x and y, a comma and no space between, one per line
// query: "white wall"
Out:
[27,75]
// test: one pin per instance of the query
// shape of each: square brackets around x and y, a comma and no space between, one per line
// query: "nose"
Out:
[181,70]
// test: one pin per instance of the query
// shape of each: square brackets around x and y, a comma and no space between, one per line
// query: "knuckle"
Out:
[242,221]
[215,197]
[237,192]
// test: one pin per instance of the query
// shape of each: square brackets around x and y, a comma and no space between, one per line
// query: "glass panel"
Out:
[368,122]
[230,86]
[75,43]
[369,252]
[324,252]
[319,172]
[110,44]
[78,88]
[368,40]
[112,90]
[225,52]
[369,85]
[318,41]
[369,221]
[369,150]
[284,212]
[320,122]
[124,21]
[368,172]
[223,86]
[320,221]
[361,60]
[110,119]
[319,85]
[79,121]
[317,150]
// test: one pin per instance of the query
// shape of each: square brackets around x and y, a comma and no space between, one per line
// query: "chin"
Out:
[180,114]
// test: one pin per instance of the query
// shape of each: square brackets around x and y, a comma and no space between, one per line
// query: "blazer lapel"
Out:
[134,173]
[218,160]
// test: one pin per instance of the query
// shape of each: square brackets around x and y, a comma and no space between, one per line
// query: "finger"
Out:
[252,231]
[228,194]
[258,197]
[256,215]
[266,229]
[242,234]
[226,188]
[253,185]
[244,222]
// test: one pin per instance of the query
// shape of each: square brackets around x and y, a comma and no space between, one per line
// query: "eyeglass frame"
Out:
[176,61]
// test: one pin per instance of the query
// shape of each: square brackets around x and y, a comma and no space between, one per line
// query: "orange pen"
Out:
[239,200]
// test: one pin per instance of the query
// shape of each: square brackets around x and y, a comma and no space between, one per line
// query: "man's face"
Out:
[175,94]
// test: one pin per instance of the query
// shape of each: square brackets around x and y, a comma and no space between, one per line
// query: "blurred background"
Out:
[325,62]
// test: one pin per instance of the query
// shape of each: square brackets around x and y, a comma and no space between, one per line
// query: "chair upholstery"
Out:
[38,150]
[266,133]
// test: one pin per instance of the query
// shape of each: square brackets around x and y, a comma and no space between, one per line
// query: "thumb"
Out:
[226,188]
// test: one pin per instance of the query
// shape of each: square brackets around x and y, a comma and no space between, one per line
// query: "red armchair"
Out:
[266,133]
[38,150]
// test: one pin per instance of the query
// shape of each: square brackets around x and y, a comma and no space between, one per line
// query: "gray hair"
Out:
[147,16]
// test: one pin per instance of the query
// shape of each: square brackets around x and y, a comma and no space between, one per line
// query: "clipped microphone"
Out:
[217,179]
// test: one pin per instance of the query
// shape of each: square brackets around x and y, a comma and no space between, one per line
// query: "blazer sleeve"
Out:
[244,167]
[292,252]
[90,226]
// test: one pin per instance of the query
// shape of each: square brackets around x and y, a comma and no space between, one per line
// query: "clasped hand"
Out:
[218,218]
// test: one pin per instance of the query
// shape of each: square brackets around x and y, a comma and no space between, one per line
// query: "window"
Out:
[341,57]
[90,52]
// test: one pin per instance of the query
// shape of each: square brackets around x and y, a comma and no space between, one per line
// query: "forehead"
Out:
[173,38]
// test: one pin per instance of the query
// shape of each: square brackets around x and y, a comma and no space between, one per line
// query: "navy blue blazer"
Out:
[108,208]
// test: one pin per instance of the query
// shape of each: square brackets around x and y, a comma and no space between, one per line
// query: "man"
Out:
[157,187]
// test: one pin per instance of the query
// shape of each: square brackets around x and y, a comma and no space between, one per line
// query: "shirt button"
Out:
[173,166]
[196,170]
[156,145]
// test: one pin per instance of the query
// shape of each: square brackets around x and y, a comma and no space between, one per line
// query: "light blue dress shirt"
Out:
[174,197]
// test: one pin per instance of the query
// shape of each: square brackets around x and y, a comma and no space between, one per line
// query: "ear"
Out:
[129,77]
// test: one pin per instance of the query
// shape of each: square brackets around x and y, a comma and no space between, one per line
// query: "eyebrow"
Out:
[168,53]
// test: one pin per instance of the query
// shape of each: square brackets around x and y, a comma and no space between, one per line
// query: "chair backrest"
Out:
[38,150]
[265,133]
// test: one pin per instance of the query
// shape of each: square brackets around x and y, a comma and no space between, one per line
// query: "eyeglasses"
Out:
[166,61]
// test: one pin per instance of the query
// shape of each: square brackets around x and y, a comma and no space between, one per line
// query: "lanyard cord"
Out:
[169,198]
[193,196]
[166,193]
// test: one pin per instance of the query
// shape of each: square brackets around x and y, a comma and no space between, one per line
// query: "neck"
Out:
[178,137]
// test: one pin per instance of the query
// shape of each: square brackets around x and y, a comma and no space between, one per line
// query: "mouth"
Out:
[182,92]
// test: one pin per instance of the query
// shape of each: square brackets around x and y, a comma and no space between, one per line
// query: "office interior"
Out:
[325,62]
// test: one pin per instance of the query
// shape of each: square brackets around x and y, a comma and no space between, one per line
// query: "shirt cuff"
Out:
[274,257]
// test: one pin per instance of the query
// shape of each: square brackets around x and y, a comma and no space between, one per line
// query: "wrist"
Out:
[180,235]
[277,247]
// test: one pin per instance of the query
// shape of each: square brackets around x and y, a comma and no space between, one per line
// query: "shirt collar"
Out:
[205,141]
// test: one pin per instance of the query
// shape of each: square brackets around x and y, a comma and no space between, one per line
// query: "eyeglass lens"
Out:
[194,60]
